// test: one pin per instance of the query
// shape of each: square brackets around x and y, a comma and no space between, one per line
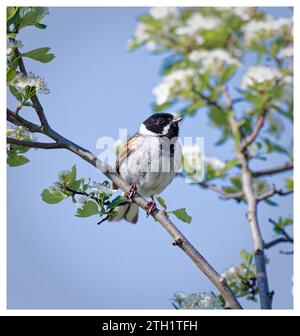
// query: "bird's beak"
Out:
[177,120]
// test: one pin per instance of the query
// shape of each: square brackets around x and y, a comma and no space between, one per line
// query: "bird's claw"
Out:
[132,191]
[151,208]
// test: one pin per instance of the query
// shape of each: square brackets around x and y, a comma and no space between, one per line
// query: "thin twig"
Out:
[19,121]
[278,241]
[273,191]
[33,144]
[238,196]
[276,170]
[260,123]
[34,99]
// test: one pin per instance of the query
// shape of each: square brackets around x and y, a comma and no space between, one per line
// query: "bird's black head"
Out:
[161,124]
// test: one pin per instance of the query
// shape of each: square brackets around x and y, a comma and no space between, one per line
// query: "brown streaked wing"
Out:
[123,154]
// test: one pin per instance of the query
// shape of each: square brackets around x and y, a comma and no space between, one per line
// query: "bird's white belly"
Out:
[150,166]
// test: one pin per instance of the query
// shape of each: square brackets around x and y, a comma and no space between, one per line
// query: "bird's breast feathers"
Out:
[150,162]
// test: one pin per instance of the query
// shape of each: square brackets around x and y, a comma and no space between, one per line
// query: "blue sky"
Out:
[56,260]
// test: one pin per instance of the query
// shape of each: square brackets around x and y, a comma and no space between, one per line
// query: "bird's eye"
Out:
[160,120]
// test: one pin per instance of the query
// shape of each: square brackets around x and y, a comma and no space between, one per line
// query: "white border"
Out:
[96,312]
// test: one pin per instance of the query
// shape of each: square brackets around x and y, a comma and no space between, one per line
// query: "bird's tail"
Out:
[129,212]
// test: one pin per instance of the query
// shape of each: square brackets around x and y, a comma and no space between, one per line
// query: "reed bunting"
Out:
[149,161]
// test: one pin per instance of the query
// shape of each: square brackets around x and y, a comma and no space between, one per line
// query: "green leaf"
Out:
[247,257]
[33,16]
[40,25]
[236,181]
[12,35]
[231,163]
[10,75]
[159,108]
[71,176]
[15,160]
[223,138]
[75,185]
[10,12]
[40,54]
[271,146]
[218,116]
[115,202]
[269,202]
[289,183]
[227,73]
[162,202]
[51,196]
[16,93]
[89,208]
[182,215]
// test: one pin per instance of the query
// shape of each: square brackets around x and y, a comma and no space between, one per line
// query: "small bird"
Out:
[149,161]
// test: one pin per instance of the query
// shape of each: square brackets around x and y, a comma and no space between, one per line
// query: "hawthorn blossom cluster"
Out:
[198,22]
[98,189]
[198,301]
[211,58]
[20,133]
[178,78]
[260,74]
[194,162]
[30,79]
[257,30]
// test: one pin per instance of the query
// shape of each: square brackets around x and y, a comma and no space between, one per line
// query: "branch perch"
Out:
[160,216]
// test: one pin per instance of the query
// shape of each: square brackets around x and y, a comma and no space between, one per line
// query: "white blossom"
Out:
[214,163]
[193,162]
[286,52]
[209,301]
[162,12]
[81,200]
[242,12]
[141,33]
[254,29]
[191,150]
[198,301]
[21,133]
[102,189]
[229,273]
[199,39]
[180,297]
[196,22]
[30,79]
[209,58]
[260,74]
[152,46]
[12,44]
[162,91]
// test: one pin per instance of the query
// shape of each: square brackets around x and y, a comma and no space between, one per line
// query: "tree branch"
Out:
[19,121]
[278,241]
[34,99]
[238,196]
[273,191]
[159,215]
[276,170]
[260,123]
[247,183]
[33,144]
